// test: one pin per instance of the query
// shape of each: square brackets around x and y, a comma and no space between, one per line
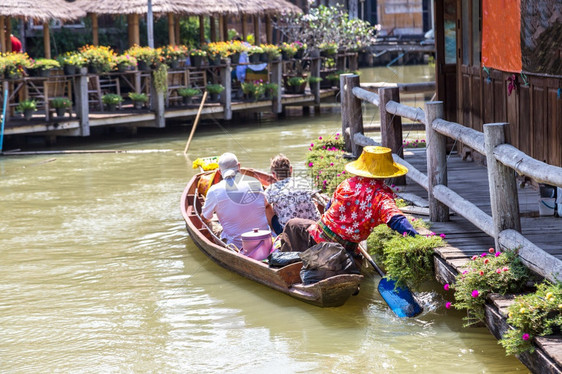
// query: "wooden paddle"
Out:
[399,299]
[195,122]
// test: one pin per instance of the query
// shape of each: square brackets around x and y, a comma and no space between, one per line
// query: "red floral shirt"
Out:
[358,205]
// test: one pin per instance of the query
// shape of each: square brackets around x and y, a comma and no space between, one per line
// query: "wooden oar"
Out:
[399,299]
[195,122]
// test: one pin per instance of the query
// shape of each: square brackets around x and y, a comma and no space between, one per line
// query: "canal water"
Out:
[98,274]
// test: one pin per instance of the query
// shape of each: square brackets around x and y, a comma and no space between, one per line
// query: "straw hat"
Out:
[376,162]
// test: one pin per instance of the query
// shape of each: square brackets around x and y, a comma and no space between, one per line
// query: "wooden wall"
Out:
[400,14]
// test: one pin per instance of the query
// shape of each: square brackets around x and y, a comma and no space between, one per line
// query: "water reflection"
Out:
[98,275]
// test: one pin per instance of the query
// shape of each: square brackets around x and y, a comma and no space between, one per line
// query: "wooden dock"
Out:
[470,180]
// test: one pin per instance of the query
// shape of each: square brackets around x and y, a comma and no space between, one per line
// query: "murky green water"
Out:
[97,274]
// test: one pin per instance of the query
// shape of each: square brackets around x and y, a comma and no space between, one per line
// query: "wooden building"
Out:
[501,61]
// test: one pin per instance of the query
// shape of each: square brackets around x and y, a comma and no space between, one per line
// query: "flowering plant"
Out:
[254,89]
[289,50]
[197,52]
[14,63]
[171,53]
[491,272]
[100,57]
[44,64]
[418,143]
[61,102]
[111,99]
[236,46]
[125,61]
[208,163]
[215,88]
[325,162]
[535,314]
[72,58]
[254,50]
[272,51]
[296,81]
[26,105]
[148,55]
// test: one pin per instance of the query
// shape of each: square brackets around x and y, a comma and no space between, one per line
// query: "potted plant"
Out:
[70,62]
[196,57]
[188,93]
[15,64]
[61,104]
[42,66]
[27,107]
[214,90]
[99,59]
[253,90]
[214,52]
[296,85]
[111,101]
[314,83]
[147,57]
[254,54]
[172,55]
[328,49]
[139,99]
[234,49]
[288,50]
[125,62]
[271,90]
[272,52]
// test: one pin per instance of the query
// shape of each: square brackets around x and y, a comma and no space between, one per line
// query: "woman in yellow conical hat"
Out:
[360,203]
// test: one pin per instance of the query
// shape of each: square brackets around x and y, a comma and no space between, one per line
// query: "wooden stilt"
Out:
[202,29]
[95,30]
[2,36]
[46,40]
[171,29]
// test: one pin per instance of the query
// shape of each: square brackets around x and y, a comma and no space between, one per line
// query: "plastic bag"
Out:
[280,259]
[325,260]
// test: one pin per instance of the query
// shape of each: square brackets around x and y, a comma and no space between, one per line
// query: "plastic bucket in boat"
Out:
[257,244]
[547,205]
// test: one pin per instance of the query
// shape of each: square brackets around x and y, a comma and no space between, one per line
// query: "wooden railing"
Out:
[503,160]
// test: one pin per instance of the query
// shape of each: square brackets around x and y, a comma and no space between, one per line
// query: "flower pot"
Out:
[174,64]
[138,104]
[214,60]
[142,65]
[27,114]
[255,58]
[196,61]
[235,58]
[264,57]
[215,97]
[111,107]
[69,69]
[285,56]
[123,67]
[299,54]
[187,100]
[60,112]
[94,69]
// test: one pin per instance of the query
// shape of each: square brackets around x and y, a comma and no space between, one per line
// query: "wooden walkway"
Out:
[470,180]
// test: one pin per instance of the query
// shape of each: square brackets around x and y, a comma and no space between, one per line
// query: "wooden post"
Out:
[6,87]
[315,65]
[47,40]
[136,31]
[95,30]
[503,186]
[277,77]
[226,99]
[436,161]
[244,27]
[257,29]
[177,30]
[158,105]
[221,28]
[82,108]
[202,29]
[391,127]
[8,25]
[268,30]
[130,31]
[225,27]
[345,130]
[2,36]
[213,28]
[171,29]
[354,111]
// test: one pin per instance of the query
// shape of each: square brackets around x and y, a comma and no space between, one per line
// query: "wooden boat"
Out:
[330,292]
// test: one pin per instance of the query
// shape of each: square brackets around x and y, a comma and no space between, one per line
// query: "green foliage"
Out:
[26,105]
[326,163]
[254,89]
[215,88]
[138,97]
[61,102]
[189,92]
[111,99]
[491,272]
[314,80]
[271,89]
[72,58]
[296,81]
[44,64]
[160,78]
[535,314]
[408,260]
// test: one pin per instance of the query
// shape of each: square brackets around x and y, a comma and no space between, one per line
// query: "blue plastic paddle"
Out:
[399,299]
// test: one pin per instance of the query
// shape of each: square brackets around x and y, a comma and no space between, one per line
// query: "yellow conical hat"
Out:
[376,162]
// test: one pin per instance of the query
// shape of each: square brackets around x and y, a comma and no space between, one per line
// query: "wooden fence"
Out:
[503,161]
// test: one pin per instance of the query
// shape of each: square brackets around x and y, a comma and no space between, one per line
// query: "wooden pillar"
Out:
[157,105]
[226,97]
[47,40]
[221,28]
[82,108]
[130,30]
[277,77]
[436,161]
[136,31]
[503,186]
[171,29]
[8,25]
[213,29]
[315,65]
[257,29]
[177,31]
[2,36]
[201,30]
[268,30]
[244,28]
[354,110]
[224,28]
[95,30]
[345,130]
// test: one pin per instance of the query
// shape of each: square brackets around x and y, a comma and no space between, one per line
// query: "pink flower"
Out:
[465,272]
[475,293]
[312,144]
[310,164]
[446,287]
[498,271]
[310,149]
[491,250]
[442,236]
[448,305]
[483,254]
[337,134]
[319,138]
[474,257]
[525,336]
[392,185]
[405,234]
[331,164]
[486,261]
[481,272]
[498,254]
[505,269]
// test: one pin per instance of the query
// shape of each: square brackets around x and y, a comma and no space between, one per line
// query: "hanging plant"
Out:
[160,77]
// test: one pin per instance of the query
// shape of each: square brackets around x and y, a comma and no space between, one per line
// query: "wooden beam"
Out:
[244,27]
[95,29]
[257,29]
[221,28]
[391,126]
[171,29]
[2,36]
[201,29]
[213,29]
[46,40]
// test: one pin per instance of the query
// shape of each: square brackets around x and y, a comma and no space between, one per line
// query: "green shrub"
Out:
[188,92]
[535,314]
[491,272]
[111,99]
[26,105]
[142,97]
[215,88]
[296,81]
[61,102]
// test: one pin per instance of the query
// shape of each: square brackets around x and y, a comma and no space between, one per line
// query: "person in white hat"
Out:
[238,200]
[359,204]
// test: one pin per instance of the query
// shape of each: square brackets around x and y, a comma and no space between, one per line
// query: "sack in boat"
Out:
[280,259]
[206,181]
[324,260]
[257,244]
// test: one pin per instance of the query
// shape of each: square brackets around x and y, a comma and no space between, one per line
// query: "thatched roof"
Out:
[188,7]
[41,10]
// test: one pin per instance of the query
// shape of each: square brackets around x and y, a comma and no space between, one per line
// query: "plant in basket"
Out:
[253,90]
[288,50]
[125,62]
[61,104]
[111,100]
[271,90]
[71,62]
[138,99]
[99,59]
[328,48]
[272,51]
[254,54]
[297,84]
[214,90]
[15,64]
[197,57]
